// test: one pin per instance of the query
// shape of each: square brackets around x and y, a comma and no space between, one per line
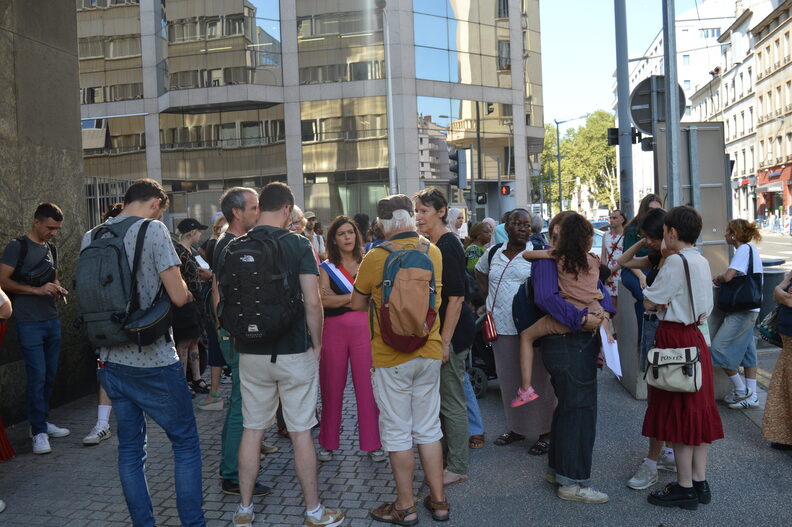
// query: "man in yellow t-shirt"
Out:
[406,385]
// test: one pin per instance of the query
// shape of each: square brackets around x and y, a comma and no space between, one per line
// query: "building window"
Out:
[686,85]
[90,48]
[503,9]
[234,26]
[122,92]
[251,133]
[506,110]
[123,47]
[504,55]
[686,60]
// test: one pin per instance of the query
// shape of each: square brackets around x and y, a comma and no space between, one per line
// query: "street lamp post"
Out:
[392,170]
[558,154]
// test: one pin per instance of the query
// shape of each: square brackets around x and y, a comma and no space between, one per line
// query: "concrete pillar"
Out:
[154,49]
[291,108]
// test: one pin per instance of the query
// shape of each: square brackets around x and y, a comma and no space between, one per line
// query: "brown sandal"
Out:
[396,515]
[476,441]
[435,506]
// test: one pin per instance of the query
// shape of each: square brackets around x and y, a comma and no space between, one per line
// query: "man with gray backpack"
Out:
[127,276]
[399,283]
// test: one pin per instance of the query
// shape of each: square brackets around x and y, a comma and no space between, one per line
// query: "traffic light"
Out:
[505,190]
[613,137]
[459,166]
[481,198]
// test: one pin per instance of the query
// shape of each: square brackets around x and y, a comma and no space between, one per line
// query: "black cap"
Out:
[190,224]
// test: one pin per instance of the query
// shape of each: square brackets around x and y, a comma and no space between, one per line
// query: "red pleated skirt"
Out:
[687,418]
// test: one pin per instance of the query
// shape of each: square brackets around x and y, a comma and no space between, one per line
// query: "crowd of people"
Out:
[285,311]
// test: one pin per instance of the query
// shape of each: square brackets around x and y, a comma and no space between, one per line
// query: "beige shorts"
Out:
[292,378]
[408,396]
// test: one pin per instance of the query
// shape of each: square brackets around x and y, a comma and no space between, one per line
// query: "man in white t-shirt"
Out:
[734,344]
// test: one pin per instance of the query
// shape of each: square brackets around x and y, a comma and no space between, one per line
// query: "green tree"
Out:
[586,158]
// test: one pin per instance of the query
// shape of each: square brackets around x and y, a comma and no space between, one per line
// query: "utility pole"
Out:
[393,176]
[671,103]
[558,158]
[625,124]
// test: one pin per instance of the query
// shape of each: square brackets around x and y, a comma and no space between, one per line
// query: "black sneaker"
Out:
[703,491]
[675,496]
[232,487]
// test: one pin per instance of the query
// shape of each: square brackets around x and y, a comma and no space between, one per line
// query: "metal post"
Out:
[558,157]
[479,163]
[625,126]
[500,199]
[672,103]
[393,175]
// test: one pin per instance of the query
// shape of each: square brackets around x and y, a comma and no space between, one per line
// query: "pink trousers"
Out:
[345,341]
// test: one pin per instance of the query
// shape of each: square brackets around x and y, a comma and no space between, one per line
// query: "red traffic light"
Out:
[505,190]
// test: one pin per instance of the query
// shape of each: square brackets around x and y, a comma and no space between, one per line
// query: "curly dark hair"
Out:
[333,252]
[574,244]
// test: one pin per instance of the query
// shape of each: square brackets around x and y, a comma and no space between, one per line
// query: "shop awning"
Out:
[770,187]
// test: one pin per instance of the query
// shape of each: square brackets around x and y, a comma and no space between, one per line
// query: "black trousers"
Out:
[571,360]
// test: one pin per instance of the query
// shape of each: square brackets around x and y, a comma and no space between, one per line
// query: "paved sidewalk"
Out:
[78,486]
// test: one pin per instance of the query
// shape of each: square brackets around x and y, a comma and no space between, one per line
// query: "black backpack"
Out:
[42,277]
[260,295]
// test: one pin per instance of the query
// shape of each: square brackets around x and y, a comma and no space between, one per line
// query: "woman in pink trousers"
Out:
[345,341]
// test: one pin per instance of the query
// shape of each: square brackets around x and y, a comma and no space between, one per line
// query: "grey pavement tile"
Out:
[79,486]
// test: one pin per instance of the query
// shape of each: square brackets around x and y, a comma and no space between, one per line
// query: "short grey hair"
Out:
[537,223]
[234,198]
[402,220]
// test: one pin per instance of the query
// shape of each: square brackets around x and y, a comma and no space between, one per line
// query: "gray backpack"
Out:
[104,284]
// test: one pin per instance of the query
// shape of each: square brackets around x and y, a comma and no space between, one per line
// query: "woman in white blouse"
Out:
[500,272]
[688,420]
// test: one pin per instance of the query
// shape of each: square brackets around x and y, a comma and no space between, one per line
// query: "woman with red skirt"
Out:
[690,421]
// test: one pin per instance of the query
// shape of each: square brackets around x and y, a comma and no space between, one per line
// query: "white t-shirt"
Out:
[670,288]
[739,261]
[518,271]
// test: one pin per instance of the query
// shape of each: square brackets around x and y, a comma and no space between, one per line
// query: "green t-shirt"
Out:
[632,236]
[301,257]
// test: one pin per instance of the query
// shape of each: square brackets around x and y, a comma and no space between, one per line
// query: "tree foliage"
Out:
[586,160]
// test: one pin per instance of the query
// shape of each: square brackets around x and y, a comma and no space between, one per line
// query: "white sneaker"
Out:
[752,401]
[98,434]
[2,505]
[666,463]
[41,444]
[56,431]
[378,456]
[583,494]
[643,478]
[324,455]
[243,519]
[738,395]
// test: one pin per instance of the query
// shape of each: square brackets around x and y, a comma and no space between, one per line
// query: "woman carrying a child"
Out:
[567,287]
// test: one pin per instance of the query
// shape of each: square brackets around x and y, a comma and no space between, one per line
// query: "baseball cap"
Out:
[309,214]
[386,206]
[189,224]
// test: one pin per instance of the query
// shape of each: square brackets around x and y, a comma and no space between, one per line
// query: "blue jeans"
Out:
[475,423]
[632,283]
[163,395]
[40,345]
[571,361]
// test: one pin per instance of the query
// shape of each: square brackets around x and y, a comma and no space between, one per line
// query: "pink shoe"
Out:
[524,396]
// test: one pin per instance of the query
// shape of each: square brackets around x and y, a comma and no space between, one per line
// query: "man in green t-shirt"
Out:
[287,368]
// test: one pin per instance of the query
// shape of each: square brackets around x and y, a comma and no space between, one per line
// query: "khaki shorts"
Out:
[292,378]
[408,396]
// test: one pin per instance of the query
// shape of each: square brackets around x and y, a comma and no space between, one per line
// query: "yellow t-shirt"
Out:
[369,277]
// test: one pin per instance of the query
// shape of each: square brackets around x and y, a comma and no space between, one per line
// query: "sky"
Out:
[579,51]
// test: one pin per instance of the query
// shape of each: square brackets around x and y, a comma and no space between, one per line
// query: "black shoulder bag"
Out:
[742,293]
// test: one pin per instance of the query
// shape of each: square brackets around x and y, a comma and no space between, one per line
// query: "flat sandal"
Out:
[396,515]
[434,506]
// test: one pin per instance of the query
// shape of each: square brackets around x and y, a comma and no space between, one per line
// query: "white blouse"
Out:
[518,271]
[670,288]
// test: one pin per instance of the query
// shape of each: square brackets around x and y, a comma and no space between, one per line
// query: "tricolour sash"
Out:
[339,276]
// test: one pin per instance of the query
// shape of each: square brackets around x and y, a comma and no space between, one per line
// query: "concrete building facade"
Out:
[207,95]
[41,160]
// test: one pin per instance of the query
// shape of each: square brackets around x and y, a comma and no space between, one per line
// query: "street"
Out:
[78,486]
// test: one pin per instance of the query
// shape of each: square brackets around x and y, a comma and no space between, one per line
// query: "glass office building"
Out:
[208,94]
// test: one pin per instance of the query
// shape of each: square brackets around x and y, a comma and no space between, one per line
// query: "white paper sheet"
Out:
[611,352]
[201,262]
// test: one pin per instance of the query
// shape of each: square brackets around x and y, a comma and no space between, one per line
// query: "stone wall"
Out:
[41,160]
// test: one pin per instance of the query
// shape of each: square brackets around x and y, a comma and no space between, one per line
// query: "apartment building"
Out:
[207,95]
[773,62]
[698,53]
